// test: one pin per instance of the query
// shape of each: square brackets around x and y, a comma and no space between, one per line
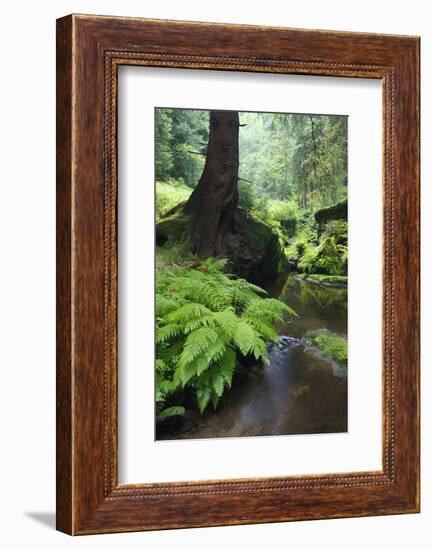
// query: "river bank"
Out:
[299,391]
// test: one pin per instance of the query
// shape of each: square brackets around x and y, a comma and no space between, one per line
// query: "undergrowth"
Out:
[207,321]
[169,194]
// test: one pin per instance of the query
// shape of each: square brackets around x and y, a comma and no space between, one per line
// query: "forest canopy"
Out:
[288,157]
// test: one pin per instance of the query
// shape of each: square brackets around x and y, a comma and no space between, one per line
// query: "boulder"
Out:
[171,229]
[252,247]
[337,211]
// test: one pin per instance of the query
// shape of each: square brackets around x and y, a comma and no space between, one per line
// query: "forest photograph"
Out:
[251,239]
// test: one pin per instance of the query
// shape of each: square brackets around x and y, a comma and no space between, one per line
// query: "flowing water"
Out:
[299,392]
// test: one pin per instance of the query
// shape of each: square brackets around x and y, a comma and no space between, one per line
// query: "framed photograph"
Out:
[237,274]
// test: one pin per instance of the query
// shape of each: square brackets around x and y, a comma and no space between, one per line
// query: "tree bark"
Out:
[212,204]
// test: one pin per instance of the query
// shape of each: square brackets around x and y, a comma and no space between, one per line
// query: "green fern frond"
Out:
[187,312]
[160,365]
[259,350]
[196,343]
[216,350]
[245,337]
[203,396]
[227,320]
[166,386]
[217,382]
[265,328]
[228,365]
[206,321]
[169,412]
[186,371]
[167,332]
[215,400]
[165,305]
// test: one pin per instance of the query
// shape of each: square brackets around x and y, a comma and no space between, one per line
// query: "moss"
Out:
[337,211]
[331,345]
[326,258]
[326,280]
[172,229]
[255,249]
[169,194]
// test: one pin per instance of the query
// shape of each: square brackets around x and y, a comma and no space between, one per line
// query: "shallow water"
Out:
[299,392]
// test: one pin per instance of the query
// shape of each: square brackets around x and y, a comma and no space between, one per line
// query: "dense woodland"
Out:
[298,159]
[240,199]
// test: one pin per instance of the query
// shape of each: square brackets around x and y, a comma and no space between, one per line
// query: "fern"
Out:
[203,396]
[167,332]
[207,321]
[169,412]
[187,312]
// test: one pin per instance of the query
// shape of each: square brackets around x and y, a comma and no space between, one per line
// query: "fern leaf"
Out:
[245,337]
[228,365]
[198,342]
[227,320]
[167,332]
[215,400]
[160,365]
[164,305]
[217,382]
[186,371]
[203,396]
[216,350]
[169,412]
[263,327]
[187,312]
[205,321]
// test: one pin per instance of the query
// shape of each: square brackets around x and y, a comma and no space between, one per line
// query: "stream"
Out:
[299,391]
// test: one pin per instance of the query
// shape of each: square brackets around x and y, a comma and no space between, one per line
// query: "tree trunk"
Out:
[213,202]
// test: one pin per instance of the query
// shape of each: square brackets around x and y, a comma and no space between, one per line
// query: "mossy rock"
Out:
[172,229]
[325,259]
[331,345]
[337,211]
[289,226]
[254,249]
[325,280]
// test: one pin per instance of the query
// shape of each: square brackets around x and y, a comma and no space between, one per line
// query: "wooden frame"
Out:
[89,51]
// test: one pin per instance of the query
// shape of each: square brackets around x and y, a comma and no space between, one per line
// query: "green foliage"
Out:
[281,211]
[169,412]
[181,140]
[296,157]
[330,344]
[163,135]
[169,194]
[286,157]
[206,322]
[281,215]
[326,258]
[247,195]
[336,228]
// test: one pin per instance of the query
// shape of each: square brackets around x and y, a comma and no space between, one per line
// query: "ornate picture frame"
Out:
[89,51]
